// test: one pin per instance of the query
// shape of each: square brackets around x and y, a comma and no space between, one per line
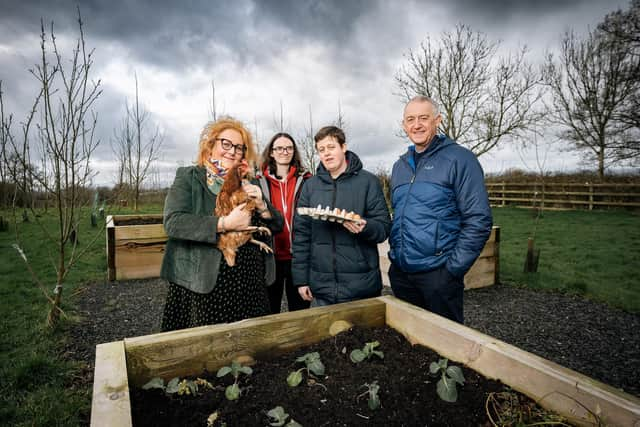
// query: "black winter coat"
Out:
[340,266]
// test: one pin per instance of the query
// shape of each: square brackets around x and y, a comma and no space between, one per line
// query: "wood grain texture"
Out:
[110,406]
[551,385]
[191,351]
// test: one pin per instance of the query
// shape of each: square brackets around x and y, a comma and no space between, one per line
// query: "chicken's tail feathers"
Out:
[229,256]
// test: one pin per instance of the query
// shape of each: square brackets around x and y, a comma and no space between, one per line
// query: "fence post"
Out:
[590,196]
[504,195]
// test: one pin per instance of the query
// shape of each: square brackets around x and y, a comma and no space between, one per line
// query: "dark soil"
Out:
[588,337]
[407,391]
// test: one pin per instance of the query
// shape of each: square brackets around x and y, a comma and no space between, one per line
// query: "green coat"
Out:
[191,257]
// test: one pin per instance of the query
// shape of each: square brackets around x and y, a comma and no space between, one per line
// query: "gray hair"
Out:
[424,98]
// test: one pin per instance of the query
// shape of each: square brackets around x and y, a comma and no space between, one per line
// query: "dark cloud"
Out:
[331,21]
[500,11]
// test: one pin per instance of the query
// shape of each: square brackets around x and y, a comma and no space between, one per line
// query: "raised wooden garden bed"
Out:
[135,246]
[134,361]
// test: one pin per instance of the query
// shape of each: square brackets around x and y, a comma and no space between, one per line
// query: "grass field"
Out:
[591,253]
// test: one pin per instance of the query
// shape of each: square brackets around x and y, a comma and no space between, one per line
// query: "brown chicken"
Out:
[231,195]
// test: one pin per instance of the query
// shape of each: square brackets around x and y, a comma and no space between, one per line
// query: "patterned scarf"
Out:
[215,175]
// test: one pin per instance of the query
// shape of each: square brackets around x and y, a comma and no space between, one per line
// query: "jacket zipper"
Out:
[406,199]
[333,245]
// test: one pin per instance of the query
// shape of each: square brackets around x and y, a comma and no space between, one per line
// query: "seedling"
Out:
[175,386]
[450,375]
[367,351]
[372,391]
[312,363]
[279,418]
[232,392]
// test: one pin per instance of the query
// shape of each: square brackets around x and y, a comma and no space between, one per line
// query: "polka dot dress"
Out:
[239,294]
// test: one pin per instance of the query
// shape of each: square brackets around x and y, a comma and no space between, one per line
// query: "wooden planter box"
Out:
[188,352]
[484,272]
[134,251]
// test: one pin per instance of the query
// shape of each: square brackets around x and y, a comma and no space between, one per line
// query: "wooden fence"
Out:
[562,196]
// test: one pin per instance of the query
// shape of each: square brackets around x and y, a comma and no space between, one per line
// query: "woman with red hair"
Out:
[203,289]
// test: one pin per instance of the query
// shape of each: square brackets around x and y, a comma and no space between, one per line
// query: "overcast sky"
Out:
[301,53]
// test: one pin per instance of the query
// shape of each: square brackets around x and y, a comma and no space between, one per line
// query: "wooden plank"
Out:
[110,405]
[483,265]
[120,218]
[191,351]
[479,279]
[551,385]
[489,250]
[145,270]
[560,184]
[154,232]
[567,201]
[111,249]
[128,255]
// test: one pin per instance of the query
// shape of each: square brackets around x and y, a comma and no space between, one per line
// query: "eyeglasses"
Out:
[228,145]
[281,150]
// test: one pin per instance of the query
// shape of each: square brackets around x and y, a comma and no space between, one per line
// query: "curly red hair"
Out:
[213,129]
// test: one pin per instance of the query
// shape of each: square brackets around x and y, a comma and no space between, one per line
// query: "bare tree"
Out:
[593,81]
[214,112]
[340,120]
[307,146]
[623,27]
[484,98]
[65,99]
[137,146]
[279,122]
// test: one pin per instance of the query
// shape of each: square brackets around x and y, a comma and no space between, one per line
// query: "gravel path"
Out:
[589,337]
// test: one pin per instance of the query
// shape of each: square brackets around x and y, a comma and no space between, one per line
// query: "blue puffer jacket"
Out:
[337,265]
[441,209]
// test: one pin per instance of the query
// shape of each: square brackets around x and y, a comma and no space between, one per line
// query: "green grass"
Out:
[35,385]
[591,253]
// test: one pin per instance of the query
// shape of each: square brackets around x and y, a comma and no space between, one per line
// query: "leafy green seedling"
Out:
[312,363]
[372,391]
[367,351]
[450,375]
[188,387]
[279,418]
[232,392]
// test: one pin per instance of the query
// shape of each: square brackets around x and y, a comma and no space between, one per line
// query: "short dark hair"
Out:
[268,161]
[333,131]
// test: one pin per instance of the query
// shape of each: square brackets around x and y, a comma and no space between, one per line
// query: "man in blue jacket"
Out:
[441,214]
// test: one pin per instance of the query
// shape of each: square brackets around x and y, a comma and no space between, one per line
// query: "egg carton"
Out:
[328,214]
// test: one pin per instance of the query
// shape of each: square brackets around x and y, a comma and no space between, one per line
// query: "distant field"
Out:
[591,253]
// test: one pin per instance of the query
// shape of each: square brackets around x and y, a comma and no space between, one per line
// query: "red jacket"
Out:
[284,196]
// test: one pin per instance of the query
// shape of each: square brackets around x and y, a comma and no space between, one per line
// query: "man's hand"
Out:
[305,293]
[355,227]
